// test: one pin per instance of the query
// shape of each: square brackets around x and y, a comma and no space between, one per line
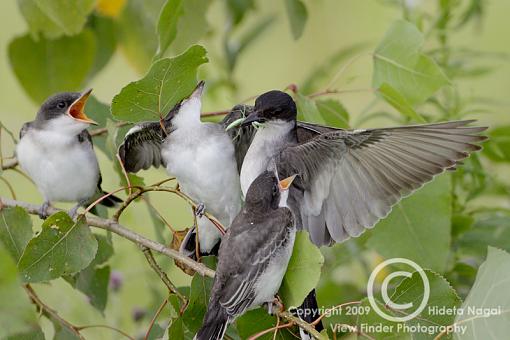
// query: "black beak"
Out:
[252,118]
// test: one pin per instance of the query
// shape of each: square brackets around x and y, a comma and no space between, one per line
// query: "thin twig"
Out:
[154,318]
[80,328]
[49,312]
[269,330]
[162,275]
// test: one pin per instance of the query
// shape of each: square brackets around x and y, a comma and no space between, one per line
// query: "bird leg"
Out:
[72,212]
[200,210]
[43,211]
[277,301]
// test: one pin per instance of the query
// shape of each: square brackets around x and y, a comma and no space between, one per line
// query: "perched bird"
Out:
[348,180]
[253,255]
[200,155]
[56,151]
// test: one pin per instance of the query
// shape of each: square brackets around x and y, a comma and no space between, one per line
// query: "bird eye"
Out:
[275,190]
[61,105]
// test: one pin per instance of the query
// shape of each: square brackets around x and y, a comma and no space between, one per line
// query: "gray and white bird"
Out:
[349,180]
[253,255]
[56,151]
[200,155]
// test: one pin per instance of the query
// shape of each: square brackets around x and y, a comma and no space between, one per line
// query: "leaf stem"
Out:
[162,275]
[154,318]
[80,328]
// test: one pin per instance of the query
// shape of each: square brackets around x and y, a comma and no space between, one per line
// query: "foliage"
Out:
[416,67]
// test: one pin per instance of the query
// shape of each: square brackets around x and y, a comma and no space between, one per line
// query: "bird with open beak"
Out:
[56,151]
[202,158]
[253,255]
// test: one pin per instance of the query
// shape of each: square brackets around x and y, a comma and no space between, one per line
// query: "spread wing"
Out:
[244,257]
[348,180]
[141,147]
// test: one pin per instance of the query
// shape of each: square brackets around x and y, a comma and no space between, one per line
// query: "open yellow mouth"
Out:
[285,184]
[76,109]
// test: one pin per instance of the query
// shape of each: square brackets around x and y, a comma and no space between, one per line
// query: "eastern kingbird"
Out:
[349,180]
[56,151]
[200,155]
[253,255]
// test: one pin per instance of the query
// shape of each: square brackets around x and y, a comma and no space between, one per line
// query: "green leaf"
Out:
[35,333]
[56,17]
[395,99]
[492,230]
[297,14]
[93,281]
[333,113]
[15,230]
[238,9]
[421,224]
[99,112]
[498,146]
[489,294]
[398,61]
[303,272]
[442,296]
[427,324]
[17,315]
[258,320]
[198,300]
[37,21]
[177,330]
[167,82]
[63,332]
[63,247]
[136,28]
[192,25]
[167,24]
[45,67]
[307,110]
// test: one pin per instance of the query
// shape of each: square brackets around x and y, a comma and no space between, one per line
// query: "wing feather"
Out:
[351,179]
[141,147]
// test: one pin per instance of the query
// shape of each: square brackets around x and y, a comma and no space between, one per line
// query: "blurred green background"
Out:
[273,61]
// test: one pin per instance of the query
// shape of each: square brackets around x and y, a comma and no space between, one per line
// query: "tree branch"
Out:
[111,225]
[122,231]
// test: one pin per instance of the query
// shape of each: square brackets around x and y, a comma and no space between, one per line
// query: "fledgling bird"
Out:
[349,180]
[200,155]
[253,255]
[56,151]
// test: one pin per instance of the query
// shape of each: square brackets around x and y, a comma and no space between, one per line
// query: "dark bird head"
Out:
[64,111]
[273,105]
[187,111]
[266,192]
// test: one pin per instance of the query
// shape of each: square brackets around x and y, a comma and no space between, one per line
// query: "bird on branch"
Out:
[56,151]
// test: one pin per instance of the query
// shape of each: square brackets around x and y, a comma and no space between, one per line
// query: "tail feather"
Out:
[110,201]
[309,312]
[215,324]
